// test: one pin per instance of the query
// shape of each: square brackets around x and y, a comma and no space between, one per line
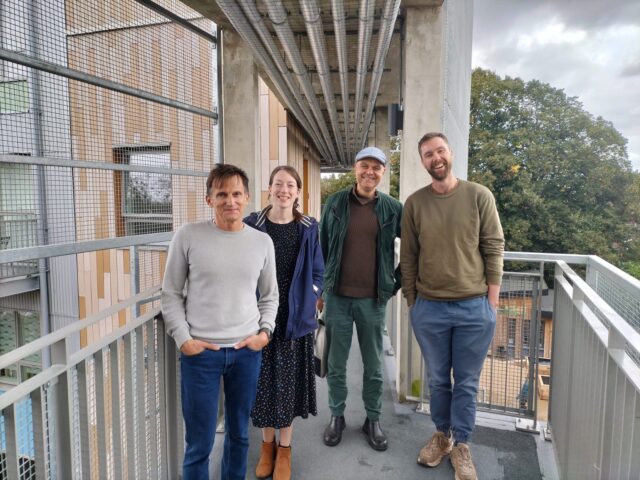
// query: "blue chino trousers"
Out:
[200,387]
[454,336]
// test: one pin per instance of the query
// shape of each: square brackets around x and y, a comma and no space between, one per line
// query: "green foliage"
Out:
[334,183]
[562,179]
[394,165]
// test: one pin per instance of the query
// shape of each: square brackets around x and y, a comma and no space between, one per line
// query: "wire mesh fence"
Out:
[107,133]
[623,295]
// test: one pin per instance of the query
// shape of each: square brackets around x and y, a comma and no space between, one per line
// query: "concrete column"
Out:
[241,133]
[436,96]
[381,141]
[423,94]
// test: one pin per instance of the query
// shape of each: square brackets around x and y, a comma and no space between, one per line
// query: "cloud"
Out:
[631,70]
[588,48]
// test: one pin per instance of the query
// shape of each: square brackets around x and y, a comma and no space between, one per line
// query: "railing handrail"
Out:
[570,258]
[629,283]
[51,373]
[618,326]
[50,339]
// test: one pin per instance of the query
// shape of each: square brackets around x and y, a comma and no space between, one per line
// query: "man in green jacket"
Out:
[451,257]
[357,234]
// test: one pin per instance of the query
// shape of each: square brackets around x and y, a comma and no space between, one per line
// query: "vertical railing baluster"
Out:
[119,438]
[11,439]
[84,428]
[103,433]
[39,432]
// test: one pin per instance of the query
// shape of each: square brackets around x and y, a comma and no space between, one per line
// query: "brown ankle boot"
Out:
[265,466]
[283,464]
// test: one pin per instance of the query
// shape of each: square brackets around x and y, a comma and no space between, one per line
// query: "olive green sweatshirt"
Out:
[452,244]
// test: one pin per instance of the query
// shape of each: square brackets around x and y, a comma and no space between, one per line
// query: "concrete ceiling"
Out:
[330,62]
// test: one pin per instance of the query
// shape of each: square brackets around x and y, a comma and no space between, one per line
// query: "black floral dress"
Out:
[287,384]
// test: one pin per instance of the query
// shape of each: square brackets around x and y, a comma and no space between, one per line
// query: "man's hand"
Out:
[194,347]
[320,304]
[254,342]
[493,295]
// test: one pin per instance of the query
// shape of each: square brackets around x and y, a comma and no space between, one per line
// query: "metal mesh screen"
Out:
[623,298]
[507,379]
[129,91]
[107,133]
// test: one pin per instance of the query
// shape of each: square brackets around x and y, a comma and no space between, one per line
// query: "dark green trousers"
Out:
[340,315]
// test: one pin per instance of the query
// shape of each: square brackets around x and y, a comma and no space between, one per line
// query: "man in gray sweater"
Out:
[210,308]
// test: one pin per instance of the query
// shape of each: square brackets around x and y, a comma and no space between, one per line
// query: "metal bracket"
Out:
[423,407]
[547,434]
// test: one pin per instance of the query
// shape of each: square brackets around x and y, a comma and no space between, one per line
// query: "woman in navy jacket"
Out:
[286,386]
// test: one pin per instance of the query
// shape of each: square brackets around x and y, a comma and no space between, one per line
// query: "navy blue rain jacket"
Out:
[306,285]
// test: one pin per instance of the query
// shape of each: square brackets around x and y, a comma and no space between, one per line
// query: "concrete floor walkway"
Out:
[498,454]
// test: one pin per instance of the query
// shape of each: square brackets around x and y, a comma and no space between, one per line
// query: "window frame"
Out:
[24,101]
[122,155]
[19,341]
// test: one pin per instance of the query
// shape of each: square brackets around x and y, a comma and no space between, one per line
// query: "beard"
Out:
[442,173]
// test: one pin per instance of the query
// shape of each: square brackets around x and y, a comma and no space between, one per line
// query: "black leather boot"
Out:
[333,432]
[375,436]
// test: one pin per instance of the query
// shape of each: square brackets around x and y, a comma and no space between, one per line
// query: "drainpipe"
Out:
[278,16]
[41,198]
[219,47]
[255,20]
[242,26]
[339,22]
[384,40]
[364,39]
[313,22]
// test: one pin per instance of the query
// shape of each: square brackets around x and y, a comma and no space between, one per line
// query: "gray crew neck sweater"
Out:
[210,282]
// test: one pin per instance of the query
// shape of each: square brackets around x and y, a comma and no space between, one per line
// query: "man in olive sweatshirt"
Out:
[451,261]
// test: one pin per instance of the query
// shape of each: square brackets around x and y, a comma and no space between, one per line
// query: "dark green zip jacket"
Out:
[333,228]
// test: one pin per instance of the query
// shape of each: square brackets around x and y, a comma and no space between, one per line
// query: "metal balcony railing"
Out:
[593,380]
[112,408]
[18,230]
[109,410]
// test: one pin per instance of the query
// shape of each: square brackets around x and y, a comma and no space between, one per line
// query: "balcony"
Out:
[112,408]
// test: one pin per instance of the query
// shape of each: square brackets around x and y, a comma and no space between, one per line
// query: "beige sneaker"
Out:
[463,463]
[433,452]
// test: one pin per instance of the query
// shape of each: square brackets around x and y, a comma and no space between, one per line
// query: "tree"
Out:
[337,181]
[562,179]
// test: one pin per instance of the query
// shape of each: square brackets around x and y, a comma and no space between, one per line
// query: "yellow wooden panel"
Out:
[163,264]
[192,207]
[82,307]
[197,138]
[125,261]
[100,274]
[282,113]
[273,128]
[122,317]
[265,198]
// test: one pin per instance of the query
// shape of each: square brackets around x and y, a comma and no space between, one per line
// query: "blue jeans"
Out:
[454,335]
[200,388]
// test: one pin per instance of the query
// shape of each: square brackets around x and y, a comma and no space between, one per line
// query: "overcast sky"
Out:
[588,48]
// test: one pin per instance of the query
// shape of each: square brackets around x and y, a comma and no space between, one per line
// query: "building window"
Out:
[17,328]
[145,198]
[14,96]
